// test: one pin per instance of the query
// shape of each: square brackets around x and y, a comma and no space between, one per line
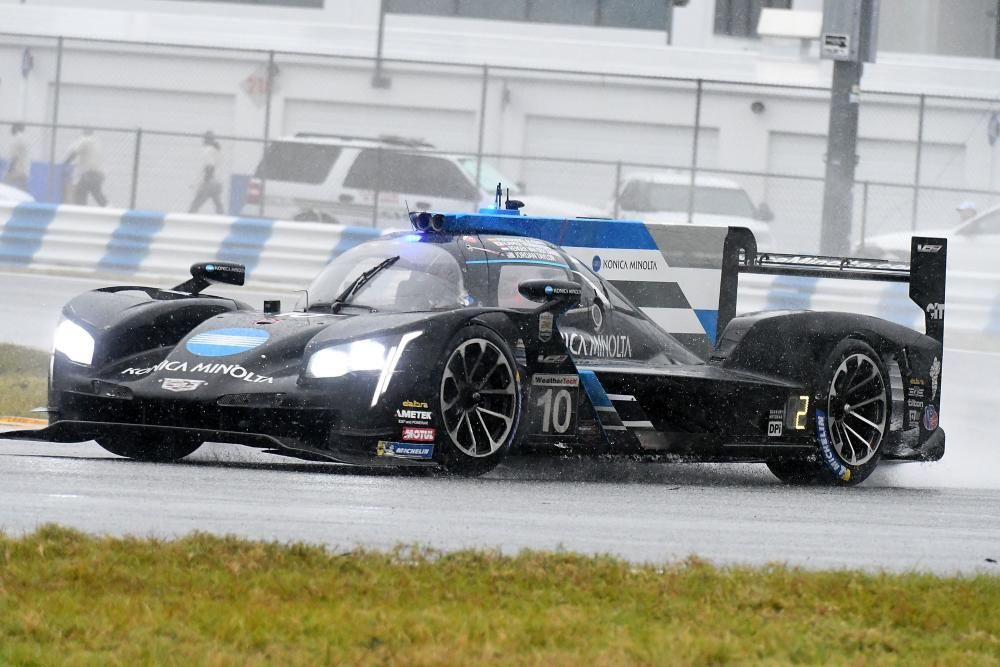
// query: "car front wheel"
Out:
[479,400]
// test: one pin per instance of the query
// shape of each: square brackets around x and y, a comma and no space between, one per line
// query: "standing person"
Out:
[87,153]
[19,163]
[209,186]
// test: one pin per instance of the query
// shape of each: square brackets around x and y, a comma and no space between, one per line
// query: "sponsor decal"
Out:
[404,450]
[226,342]
[775,423]
[208,368]
[914,417]
[597,316]
[915,392]
[931,418]
[917,382]
[417,405]
[180,384]
[596,264]
[512,247]
[631,264]
[604,346]
[413,417]
[569,291]
[416,434]
[935,376]
[935,311]
[542,380]
[929,247]
[835,263]
[546,321]
[913,403]
[829,457]
[552,358]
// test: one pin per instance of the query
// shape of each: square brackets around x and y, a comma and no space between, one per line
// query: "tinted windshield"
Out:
[707,200]
[296,162]
[426,277]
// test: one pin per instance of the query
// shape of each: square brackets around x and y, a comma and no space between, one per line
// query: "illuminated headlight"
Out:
[73,341]
[337,361]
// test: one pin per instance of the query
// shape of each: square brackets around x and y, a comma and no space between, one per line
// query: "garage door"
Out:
[447,129]
[605,140]
[168,166]
[798,203]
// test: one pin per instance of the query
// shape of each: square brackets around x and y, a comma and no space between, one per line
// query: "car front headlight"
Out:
[73,341]
[339,360]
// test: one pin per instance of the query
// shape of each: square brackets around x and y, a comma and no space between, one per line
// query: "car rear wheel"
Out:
[479,401]
[852,416]
[155,449]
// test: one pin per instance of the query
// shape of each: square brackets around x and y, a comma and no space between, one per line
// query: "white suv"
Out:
[659,197]
[340,179]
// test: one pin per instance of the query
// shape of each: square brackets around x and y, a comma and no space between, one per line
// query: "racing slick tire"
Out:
[479,401]
[852,412]
[155,449]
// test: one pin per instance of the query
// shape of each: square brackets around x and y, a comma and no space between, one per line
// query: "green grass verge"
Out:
[70,599]
[23,380]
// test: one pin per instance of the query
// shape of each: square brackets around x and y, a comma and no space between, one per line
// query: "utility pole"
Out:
[850,39]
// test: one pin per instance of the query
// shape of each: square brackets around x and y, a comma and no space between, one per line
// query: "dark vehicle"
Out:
[479,334]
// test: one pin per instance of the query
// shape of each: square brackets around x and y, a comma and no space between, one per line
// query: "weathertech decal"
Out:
[826,451]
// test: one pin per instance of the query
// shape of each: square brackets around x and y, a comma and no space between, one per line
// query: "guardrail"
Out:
[151,245]
[156,247]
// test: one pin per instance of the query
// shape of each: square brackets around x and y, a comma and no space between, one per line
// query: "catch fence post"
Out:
[694,150]
[55,123]
[136,161]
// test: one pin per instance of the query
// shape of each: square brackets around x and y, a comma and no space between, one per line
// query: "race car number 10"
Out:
[554,404]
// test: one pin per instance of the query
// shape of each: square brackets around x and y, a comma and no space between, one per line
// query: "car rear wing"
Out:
[925,273]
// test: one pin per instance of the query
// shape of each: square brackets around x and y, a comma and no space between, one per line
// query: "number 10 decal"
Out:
[554,404]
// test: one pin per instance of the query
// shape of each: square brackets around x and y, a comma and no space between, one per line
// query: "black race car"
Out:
[479,334]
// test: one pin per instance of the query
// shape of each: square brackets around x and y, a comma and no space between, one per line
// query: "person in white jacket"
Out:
[89,157]
[19,160]
[209,186]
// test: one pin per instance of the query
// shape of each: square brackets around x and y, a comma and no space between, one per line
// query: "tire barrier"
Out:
[156,246]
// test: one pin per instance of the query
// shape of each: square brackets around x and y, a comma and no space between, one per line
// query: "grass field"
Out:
[69,599]
[23,378]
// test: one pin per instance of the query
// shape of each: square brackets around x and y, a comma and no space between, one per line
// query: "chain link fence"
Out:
[567,138]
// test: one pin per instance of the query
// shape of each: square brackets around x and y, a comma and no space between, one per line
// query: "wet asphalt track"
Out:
[942,517]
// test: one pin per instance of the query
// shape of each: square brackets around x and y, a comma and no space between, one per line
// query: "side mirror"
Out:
[764,213]
[557,293]
[205,274]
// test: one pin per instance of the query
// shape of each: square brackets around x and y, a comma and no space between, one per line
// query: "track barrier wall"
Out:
[157,248]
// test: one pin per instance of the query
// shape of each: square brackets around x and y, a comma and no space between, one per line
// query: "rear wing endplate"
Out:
[925,273]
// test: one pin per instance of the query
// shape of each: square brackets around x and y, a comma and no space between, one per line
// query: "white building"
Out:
[607,115]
